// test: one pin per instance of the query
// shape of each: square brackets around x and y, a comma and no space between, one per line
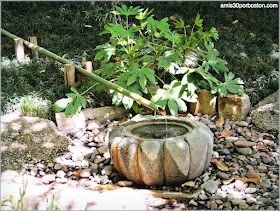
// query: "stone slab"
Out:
[89,115]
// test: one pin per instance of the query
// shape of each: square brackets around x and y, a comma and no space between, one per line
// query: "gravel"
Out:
[247,152]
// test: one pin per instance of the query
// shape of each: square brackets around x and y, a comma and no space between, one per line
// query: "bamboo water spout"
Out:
[110,85]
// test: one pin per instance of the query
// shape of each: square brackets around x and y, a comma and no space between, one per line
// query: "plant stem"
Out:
[89,89]
[160,79]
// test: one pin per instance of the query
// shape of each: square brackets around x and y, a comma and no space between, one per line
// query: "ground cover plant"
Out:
[247,37]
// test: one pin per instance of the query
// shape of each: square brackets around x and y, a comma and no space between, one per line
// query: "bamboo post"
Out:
[34,41]
[87,66]
[19,49]
[97,78]
[69,74]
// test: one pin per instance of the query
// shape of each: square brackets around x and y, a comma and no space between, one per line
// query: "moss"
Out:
[27,141]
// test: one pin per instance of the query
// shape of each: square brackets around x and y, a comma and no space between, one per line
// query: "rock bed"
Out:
[246,152]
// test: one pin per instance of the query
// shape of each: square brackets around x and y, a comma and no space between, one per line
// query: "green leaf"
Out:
[131,79]
[118,30]
[172,97]
[3,203]
[173,107]
[135,88]
[143,75]
[61,104]
[107,51]
[70,110]
[127,11]
[152,24]
[179,24]
[127,102]
[198,21]
[109,69]
[81,100]
[117,98]
[168,58]
[207,76]
[144,15]
[231,85]
[214,33]
[163,25]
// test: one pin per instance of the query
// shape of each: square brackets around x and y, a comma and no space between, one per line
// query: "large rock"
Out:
[234,107]
[265,115]
[97,116]
[206,103]
[30,140]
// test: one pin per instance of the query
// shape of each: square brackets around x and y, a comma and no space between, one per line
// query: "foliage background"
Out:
[64,28]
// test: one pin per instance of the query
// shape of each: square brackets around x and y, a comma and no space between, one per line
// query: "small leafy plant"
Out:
[9,202]
[143,51]
[75,101]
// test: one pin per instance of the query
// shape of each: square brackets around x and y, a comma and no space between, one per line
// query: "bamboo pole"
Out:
[69,74]
[34,41]
[19,49]
[98,79]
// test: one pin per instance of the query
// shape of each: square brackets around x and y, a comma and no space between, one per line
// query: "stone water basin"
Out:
[161,150]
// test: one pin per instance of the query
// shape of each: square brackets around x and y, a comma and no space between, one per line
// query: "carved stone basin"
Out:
[161,150]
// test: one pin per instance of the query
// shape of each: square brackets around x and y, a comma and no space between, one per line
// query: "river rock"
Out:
[213,205]
[244,143]
[242,124]
[125,183]
[230,197]
[99,160]
[262,169]
[231,138]
[47,179]
[85,173]
[60,174]
[251,190]
[237,201]
[57,166]
[243,206]
[239,185]
[202,197]
[265,115]
[265,184]
[223,175]
[210,186]
[244,151]
[252,173]
[108,170]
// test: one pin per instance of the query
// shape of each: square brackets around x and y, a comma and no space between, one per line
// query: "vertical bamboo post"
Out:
[87,65]
[34,41]
[19,49]
[69,74]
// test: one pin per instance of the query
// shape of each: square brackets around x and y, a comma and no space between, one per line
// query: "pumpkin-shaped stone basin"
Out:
[161,150]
